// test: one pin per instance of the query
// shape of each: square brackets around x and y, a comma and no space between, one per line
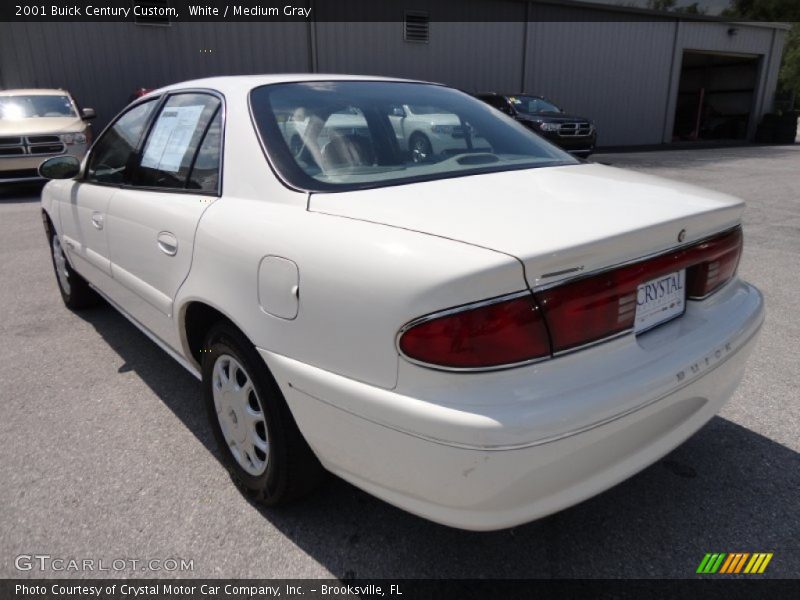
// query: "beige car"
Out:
[36,124]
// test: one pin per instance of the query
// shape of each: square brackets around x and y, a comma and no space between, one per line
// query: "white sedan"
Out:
[482,339]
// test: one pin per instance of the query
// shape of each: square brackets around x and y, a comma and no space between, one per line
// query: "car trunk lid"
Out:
[558,221]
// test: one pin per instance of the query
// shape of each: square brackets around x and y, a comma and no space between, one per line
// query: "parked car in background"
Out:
[576,135]
[36,124]
[423,132]
[427,132]
[481,338]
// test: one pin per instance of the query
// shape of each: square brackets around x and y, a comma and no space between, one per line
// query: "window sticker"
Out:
[171,137]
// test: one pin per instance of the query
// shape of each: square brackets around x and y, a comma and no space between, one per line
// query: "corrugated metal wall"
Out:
[471,56]
[623,74]
[103,63]
[615,72]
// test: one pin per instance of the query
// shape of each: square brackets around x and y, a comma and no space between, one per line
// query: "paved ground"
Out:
[105,453]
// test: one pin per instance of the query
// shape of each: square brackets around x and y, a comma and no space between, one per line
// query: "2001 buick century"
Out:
[481,336]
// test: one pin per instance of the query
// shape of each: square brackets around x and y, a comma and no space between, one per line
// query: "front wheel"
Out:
[75,291]
[421,149]
[261,446]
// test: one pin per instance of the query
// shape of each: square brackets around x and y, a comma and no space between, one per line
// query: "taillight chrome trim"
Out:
[455,310]
[587,274]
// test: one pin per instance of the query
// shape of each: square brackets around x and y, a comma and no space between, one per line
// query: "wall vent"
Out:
[416,27]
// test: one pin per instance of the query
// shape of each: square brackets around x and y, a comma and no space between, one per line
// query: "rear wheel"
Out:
[261,446]
[75,291]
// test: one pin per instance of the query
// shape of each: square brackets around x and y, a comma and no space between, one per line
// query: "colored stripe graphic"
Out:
[758,563]
[711,563]
[741,562]
[765,563]
[726,566]
[734,562]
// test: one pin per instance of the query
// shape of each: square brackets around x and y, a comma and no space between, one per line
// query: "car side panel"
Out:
[139,223]
[359,282]
[82,210]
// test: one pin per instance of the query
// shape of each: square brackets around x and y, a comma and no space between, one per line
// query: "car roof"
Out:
[35,92]
[238,83]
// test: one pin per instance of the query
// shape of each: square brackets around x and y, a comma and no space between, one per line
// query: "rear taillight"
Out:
[596,307]
[604,305]
[488,335]
[714,263]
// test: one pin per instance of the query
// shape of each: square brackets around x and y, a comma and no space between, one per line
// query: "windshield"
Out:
[35,106]
[532,105]
[338,135]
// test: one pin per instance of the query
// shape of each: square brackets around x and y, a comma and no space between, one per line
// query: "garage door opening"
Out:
[716,96]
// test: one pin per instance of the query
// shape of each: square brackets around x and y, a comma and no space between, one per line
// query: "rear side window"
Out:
[205,172]
[172,145]
[497,101]
[115,150]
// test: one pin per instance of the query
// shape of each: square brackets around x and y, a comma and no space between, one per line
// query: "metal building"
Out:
[644,77]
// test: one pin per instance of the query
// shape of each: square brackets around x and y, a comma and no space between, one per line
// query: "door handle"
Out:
[167,243]
[97,220]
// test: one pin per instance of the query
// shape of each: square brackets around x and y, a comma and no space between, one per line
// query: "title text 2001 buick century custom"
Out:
[481,336]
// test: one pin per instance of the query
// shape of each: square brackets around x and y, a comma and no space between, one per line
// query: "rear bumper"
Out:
[491,451]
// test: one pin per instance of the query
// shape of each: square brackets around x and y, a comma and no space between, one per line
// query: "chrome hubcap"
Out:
[240,415]
[61,265]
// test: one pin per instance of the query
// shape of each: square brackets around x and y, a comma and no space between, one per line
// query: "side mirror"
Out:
[60,167]
[87,114]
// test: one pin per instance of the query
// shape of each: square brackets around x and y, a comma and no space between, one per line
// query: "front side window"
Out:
[115,150]
[173,142]
[34,106]
[338,135]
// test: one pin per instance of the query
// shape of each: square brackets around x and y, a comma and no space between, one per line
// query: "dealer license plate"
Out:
[659,300]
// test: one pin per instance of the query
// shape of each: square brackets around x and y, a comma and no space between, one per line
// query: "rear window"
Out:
[340,135]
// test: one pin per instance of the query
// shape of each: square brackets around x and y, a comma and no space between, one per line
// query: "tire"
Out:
[75,291]
[259,442]
[421,149]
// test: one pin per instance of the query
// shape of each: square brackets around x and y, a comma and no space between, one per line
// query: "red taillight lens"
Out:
[714,263]
[502,333]
[603,305]
[576,313]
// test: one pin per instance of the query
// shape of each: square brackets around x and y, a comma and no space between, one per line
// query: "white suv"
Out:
[36,124]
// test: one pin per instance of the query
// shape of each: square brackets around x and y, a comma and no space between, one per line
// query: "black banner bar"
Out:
[400,589]
[168,12]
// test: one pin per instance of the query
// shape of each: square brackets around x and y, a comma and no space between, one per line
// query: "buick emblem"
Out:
[681,235]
